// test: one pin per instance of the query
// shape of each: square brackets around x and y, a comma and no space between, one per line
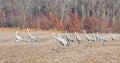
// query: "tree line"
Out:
[61,15]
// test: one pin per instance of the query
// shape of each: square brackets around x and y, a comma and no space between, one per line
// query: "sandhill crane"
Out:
[94,38]
[55,36]
[100,38]
[68,37]
[79,39]
[87,37]
[113,37]
[60,39]
[31,36]
[17,37]
[26,39]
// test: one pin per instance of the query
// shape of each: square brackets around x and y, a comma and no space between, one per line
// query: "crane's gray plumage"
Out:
[17,37]
[68,37]
[60,39]
[79,39]
[26,39]
[87,36]
[31,36]
[94,38]
[113,37]
[100,38]
[56,37]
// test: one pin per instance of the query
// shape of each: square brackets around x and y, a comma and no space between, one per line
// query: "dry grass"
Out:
[47,50]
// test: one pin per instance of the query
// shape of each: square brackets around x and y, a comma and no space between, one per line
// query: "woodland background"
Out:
[61,15]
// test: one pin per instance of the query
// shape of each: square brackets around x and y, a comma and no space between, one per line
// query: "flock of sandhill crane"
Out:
[95,38]
[30,37]
[64,41]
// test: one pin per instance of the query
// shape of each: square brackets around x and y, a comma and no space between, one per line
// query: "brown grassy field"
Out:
[47,50]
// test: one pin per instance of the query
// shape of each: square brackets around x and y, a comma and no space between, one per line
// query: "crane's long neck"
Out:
[85,33]
[16,34]
[66,33]
[28,32]
[98,34]
[76,33]
[54,35]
